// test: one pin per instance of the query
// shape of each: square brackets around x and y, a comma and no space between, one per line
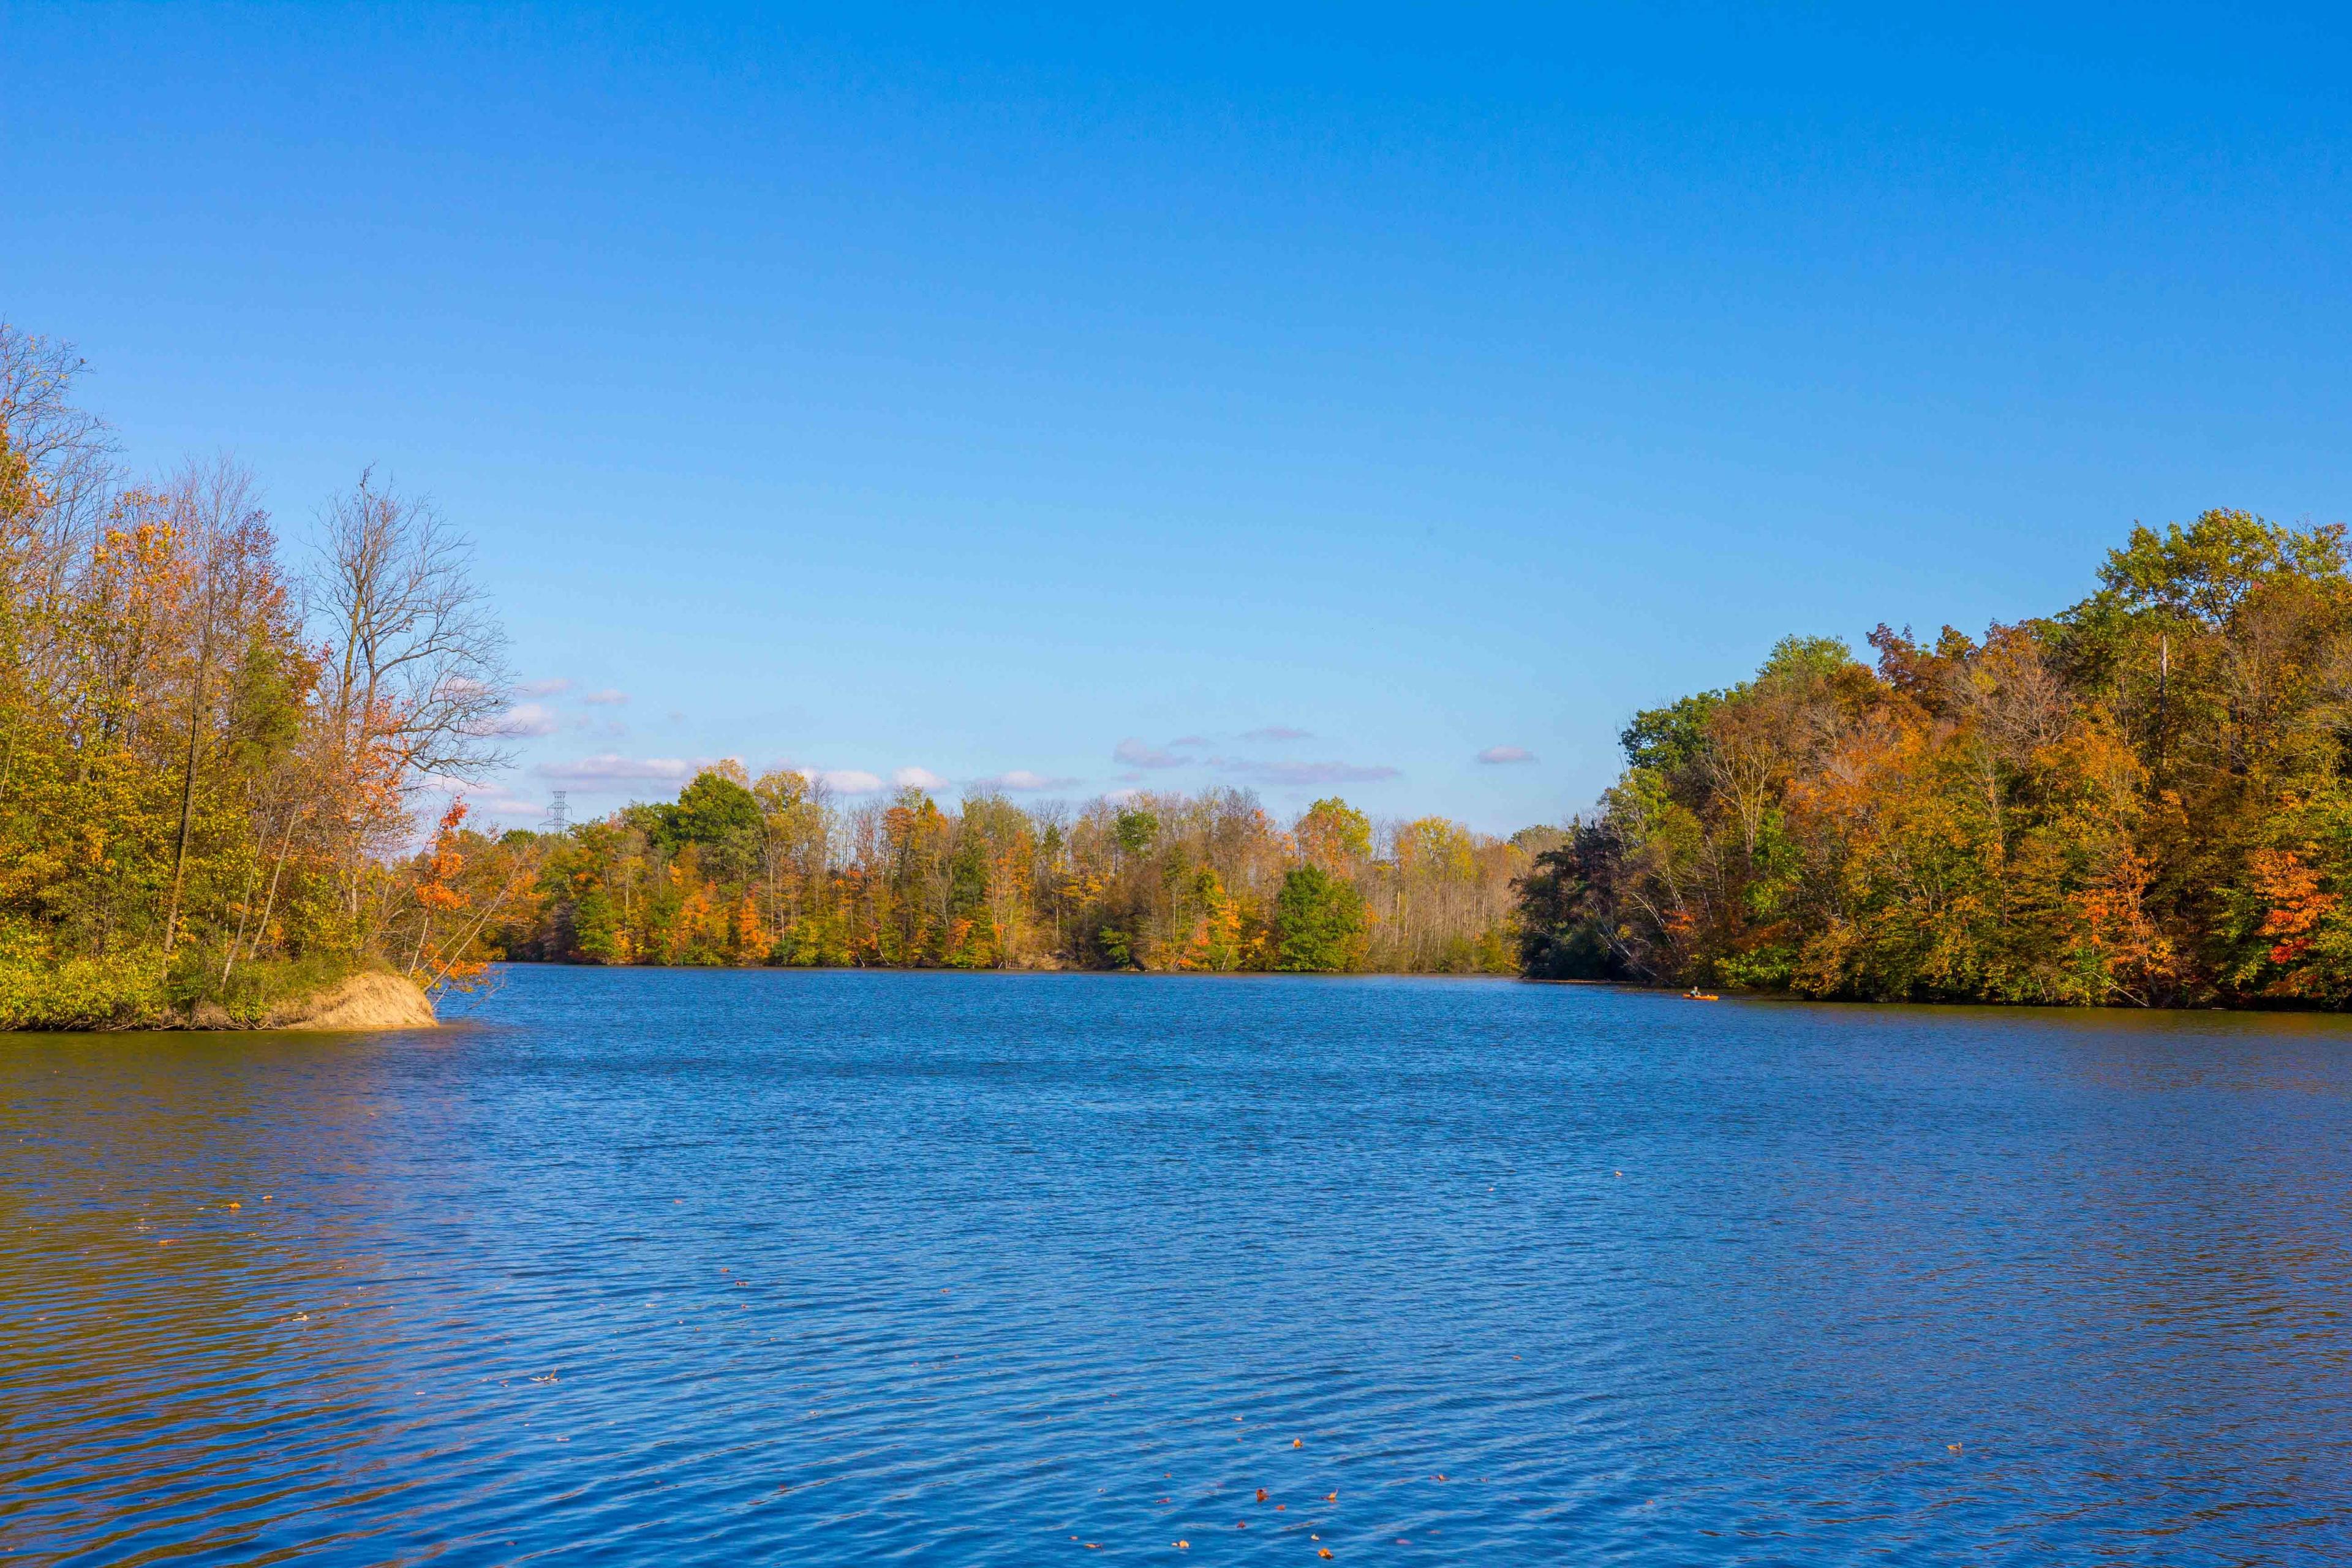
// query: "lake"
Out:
[682,1267]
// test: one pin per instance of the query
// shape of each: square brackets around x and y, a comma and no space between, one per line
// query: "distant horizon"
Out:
[1392,409]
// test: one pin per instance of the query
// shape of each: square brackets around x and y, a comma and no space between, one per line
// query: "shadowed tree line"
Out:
[208,748]
[2145,799]
[776,871]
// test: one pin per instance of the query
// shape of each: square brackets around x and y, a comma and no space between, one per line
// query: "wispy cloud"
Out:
[918,778]
[1507,754]
[1137,753]
[610,697]
[1188,741]
[1277,733]
[612,768]
[842,780]
[503,803]
[526,721]
[543,687]
[1022,780]
[1306,773]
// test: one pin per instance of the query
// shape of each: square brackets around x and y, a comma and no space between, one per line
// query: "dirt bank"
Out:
[372,1001]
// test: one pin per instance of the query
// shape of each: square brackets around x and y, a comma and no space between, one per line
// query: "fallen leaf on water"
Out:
[1333,1498]
[1323,1552]
[1261,1494]
[1298,1443]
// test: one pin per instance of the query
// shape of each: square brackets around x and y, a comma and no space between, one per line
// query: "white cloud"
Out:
[610,767]
[1507,754]
[526,719]
[1022,779]
[507,805]
[543,687]
[1136,753]
[1308,774]
[609,697]
[1188,741]
[842,781]
[918,778]
[1121,796]
[1277,733]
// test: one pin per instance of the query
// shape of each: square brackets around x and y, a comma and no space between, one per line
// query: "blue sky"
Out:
[1322,398]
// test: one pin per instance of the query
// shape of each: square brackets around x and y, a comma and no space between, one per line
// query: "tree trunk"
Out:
[188,803]
[285,842]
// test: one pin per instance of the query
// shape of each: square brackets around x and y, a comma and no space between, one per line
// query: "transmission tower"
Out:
[559,814]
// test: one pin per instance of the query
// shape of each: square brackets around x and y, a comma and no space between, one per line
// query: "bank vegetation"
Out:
[211,746]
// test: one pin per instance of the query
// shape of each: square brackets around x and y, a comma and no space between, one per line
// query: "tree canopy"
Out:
[2142,798]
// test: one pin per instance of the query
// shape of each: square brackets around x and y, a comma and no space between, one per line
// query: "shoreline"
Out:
[369,1000]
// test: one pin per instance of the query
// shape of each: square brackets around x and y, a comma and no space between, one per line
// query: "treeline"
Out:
[208,753]
[774,871]
[2140,800]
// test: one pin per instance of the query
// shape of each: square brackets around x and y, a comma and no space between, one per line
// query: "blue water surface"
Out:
[677,1266]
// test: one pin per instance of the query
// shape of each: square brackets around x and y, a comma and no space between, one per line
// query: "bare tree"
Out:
[57,476]
[416,675]
[67,452]
[419,669]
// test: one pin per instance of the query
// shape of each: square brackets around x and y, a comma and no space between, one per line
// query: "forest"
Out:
[2141,800]
[738,871]
[212,747]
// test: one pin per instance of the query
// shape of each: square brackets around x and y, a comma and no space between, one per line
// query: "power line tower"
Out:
[559,814]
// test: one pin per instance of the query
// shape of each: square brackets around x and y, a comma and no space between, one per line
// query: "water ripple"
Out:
[701,1267]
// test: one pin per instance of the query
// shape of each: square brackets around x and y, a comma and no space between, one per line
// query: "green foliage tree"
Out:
[1319,922]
